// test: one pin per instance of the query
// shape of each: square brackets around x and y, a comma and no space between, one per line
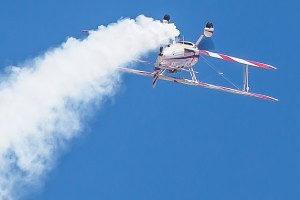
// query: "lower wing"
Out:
[199,83]
[234,59]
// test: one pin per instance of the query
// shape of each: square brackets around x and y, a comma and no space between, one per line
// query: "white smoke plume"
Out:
[43,101]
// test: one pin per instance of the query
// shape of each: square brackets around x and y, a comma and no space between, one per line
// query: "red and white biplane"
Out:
[180,56]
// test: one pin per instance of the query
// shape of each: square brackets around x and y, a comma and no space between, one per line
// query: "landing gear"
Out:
[166,19]
[209,29]
[209,25]
[193,75]
[160,51]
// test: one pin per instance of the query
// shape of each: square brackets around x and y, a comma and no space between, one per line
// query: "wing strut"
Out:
[246,78]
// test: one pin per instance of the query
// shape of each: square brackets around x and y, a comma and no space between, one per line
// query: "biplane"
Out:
[181,56]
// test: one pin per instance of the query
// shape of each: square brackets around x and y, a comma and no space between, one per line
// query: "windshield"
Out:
[187,43]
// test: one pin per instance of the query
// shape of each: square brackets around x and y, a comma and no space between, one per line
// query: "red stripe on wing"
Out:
[239,60]
[225,57]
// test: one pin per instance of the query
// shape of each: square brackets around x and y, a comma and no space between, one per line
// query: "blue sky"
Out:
[177,142]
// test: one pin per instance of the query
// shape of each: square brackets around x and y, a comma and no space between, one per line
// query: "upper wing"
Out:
[234,59]
[200,83]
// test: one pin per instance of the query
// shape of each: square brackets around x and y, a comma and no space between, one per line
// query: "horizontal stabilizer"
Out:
[86,31]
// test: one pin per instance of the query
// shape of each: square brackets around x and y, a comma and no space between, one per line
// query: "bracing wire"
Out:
[219,72]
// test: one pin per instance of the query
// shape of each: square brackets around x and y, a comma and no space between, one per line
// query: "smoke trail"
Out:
[42,102]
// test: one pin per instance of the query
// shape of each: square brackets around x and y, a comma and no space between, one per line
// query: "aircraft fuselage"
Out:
[178,55]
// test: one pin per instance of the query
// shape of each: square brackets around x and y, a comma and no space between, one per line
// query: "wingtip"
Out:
[271,98]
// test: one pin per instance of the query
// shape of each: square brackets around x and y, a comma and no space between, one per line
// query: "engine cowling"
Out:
[209,29]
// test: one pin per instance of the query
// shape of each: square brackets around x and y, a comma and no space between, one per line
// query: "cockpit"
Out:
[186,43]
